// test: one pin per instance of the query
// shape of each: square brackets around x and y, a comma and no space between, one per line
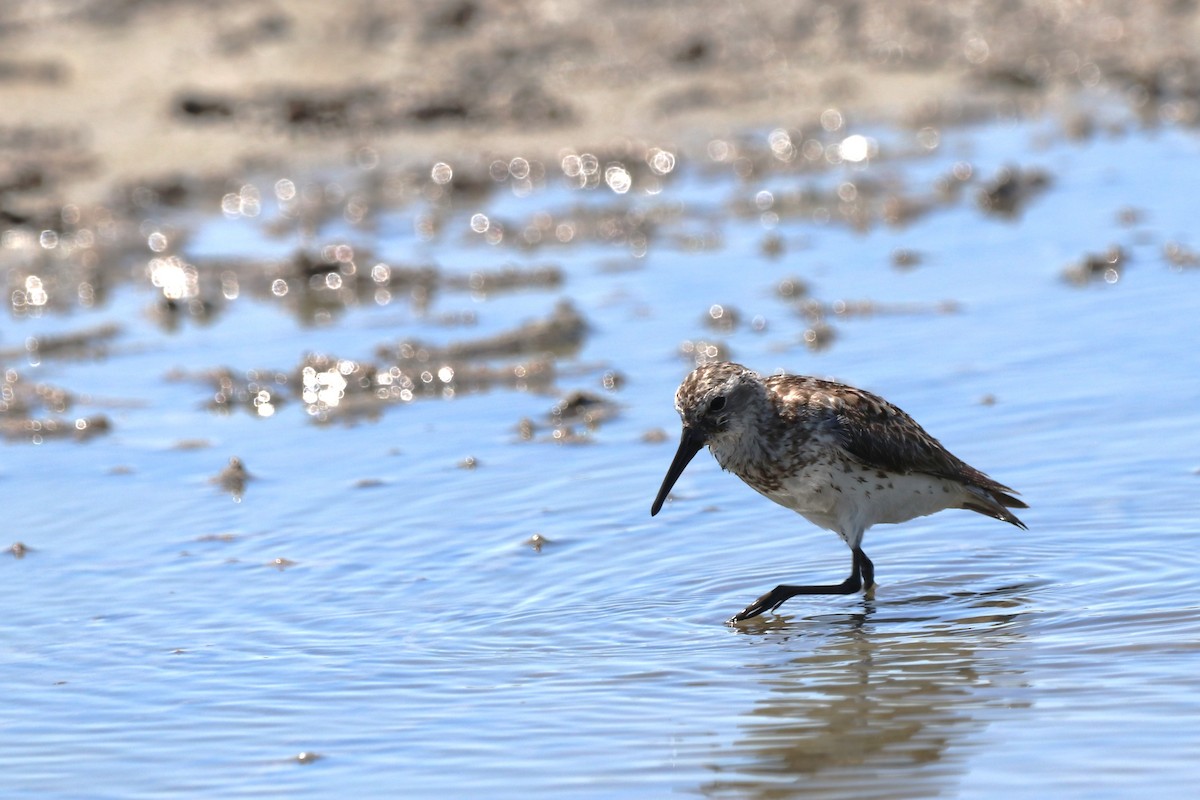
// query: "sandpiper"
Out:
[842,458]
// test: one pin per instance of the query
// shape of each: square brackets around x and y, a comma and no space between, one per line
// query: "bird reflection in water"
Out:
[877,704]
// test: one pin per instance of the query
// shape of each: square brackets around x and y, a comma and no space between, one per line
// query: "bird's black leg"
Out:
[866,569]
[862,576]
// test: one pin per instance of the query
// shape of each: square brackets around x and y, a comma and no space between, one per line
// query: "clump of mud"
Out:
[331,388]
[1104,268]
[36,412]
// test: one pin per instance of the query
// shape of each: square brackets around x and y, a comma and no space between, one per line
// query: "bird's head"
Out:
[713,402]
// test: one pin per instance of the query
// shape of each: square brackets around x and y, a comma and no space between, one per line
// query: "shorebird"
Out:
[842,458]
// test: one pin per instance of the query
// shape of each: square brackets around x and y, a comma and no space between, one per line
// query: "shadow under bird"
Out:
[842,458]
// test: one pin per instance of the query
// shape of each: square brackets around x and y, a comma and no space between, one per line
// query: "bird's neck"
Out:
[741,451]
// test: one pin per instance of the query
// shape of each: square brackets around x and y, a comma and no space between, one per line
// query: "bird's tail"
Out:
[994,501]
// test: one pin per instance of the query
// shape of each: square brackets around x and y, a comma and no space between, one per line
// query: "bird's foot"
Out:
[776,597]
[768,602]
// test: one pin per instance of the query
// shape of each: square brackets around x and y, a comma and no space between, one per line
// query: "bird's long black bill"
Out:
[689,444]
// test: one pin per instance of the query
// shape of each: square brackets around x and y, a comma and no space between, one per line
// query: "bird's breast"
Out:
[764,467]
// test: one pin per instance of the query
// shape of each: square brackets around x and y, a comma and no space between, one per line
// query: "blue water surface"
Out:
[370,619]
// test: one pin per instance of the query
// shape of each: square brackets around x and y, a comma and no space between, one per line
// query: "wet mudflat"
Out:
[340,483]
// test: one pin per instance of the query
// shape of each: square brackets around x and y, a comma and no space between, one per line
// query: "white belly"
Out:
[848,501]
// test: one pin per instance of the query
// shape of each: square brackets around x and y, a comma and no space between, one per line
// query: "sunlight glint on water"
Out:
[376,602]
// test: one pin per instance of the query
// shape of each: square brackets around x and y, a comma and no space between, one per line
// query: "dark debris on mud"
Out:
[35,412]
[574,419]
[233,478]
[330,388]
[1011,190]
[1102,268]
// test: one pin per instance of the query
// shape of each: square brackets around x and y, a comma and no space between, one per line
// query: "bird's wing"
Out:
[879,434]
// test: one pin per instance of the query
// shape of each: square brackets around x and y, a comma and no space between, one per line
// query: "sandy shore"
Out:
[100,95]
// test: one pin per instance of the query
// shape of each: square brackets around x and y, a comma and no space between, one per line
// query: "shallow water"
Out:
[369,616]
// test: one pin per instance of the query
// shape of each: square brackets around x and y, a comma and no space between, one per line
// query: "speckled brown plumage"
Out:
[842,457]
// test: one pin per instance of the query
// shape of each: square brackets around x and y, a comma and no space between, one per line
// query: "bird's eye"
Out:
[717,403]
